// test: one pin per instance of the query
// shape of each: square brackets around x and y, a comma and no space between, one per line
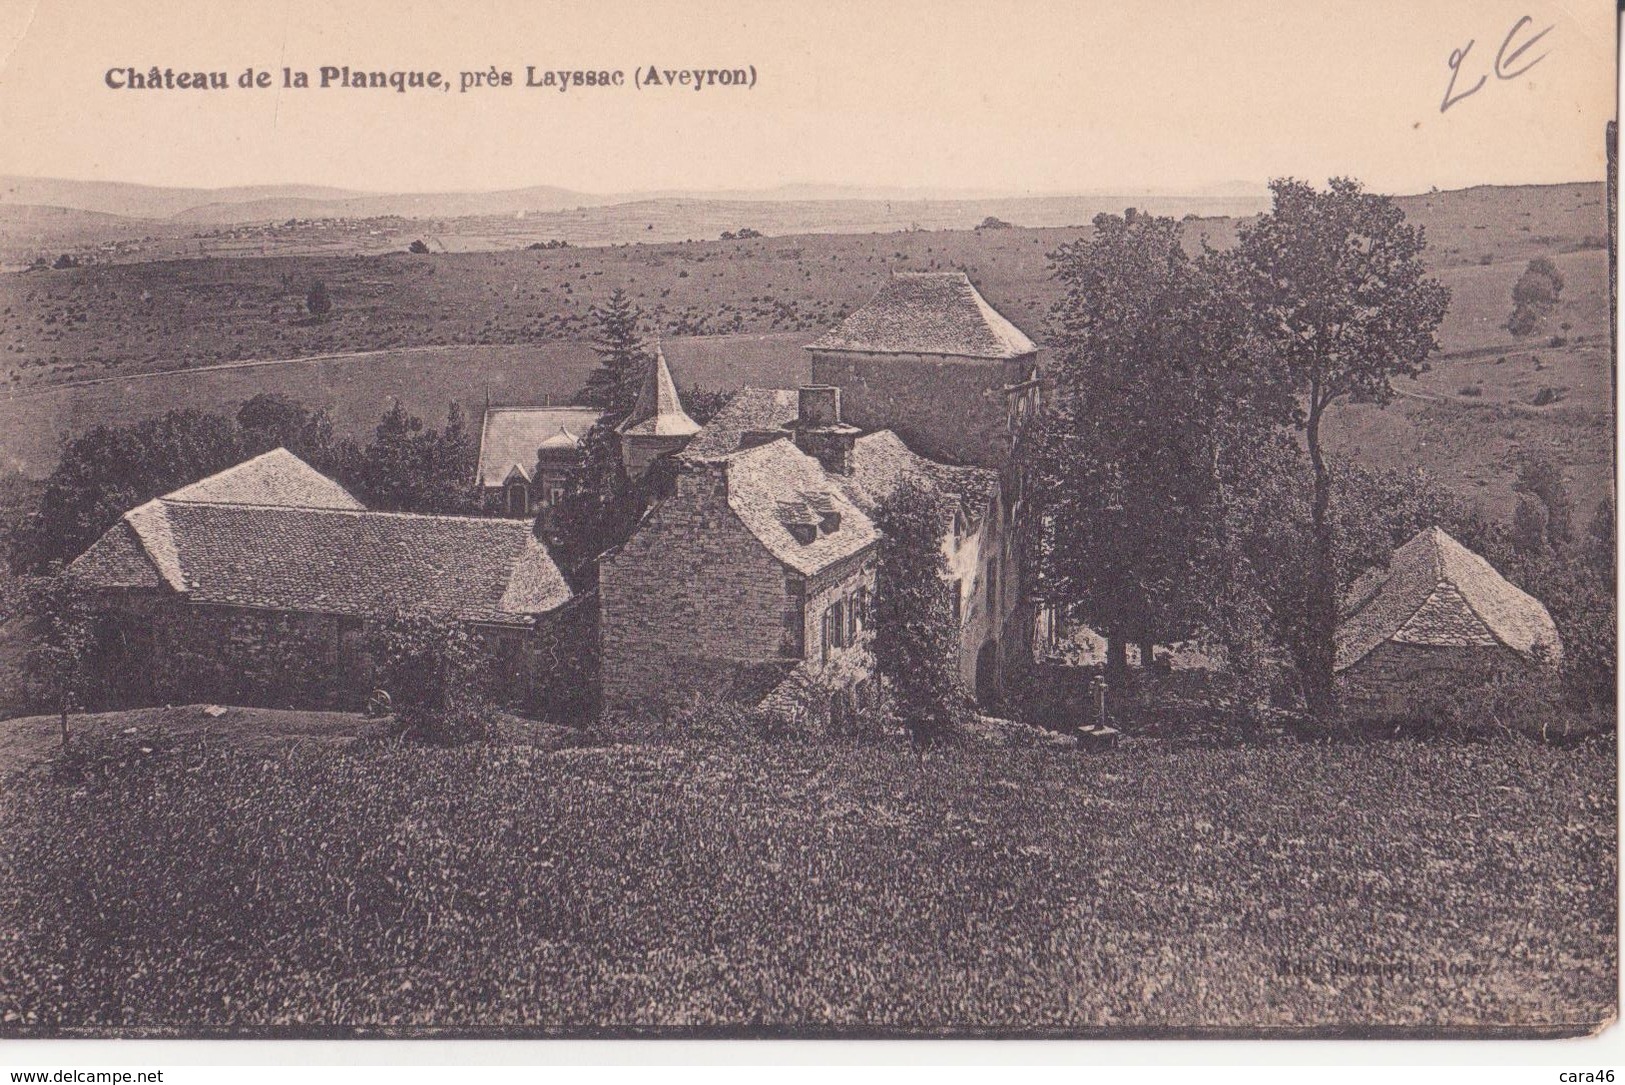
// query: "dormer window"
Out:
[813,515]
[799,520]
[828,513]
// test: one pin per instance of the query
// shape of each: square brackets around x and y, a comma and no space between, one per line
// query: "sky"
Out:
[1020,97]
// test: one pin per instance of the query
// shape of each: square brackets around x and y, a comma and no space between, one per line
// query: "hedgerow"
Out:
[810,887]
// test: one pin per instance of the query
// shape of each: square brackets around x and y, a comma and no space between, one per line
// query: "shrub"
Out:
[1534,296]
[914,630]
[436,673]
[1510,703]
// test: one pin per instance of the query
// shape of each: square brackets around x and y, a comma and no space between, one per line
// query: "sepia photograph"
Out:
[738,521]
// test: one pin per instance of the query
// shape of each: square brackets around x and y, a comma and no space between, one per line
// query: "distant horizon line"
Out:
[1232,189]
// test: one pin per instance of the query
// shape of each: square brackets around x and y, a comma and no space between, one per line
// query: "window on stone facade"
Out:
[824,635]
[555,493]
[837,623]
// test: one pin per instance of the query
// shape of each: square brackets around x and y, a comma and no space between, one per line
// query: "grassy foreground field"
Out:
[802,889]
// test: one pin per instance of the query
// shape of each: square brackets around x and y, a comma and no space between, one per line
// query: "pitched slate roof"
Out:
[510,436]
[776,485]
[936,312]
[329,561]
[659,412]
[751,409]
[1437,592]
[277,477]
[120,559]
[881,461]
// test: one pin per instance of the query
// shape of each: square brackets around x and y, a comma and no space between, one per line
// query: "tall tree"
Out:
[599,511]
[110,470]
[272,420]
[318,302]
[411,468]
[915,634]
[1154,426]
[1338,291]
[622,357]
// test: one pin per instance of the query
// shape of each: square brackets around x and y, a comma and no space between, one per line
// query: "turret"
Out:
[658,425]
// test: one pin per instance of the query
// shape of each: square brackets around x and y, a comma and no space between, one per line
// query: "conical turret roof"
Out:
[659,413]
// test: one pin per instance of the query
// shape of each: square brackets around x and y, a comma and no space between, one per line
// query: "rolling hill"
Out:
[1488,400]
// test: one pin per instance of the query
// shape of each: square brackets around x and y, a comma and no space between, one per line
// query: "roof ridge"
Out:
[543,407]
[155,516]
[497,520]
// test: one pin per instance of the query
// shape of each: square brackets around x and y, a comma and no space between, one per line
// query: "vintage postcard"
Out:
[972,518]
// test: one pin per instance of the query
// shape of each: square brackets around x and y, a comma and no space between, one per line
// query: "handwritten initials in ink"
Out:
[1506,66]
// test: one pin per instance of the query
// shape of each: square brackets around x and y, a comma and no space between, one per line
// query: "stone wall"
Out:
[692,602]
[166,651]
[1390,681]
[953,410]
[840,582]
[231,655]
[965,570]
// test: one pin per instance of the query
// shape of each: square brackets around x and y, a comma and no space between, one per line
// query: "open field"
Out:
[99,321]
[357,389]
[518,318]
[1292,888]
[30,741]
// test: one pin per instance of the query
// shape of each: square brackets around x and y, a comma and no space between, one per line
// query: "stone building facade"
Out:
[930,360]
[756,564]
[1439,616]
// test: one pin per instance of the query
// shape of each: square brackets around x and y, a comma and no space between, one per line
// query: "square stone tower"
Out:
[930,359]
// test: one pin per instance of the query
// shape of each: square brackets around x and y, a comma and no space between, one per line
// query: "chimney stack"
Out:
[819,431]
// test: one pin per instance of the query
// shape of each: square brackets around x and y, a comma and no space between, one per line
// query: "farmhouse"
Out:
[757,562]
[527,454]
[1439,612]
[762,560]
[761,563]
[875,465]
[259,584]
